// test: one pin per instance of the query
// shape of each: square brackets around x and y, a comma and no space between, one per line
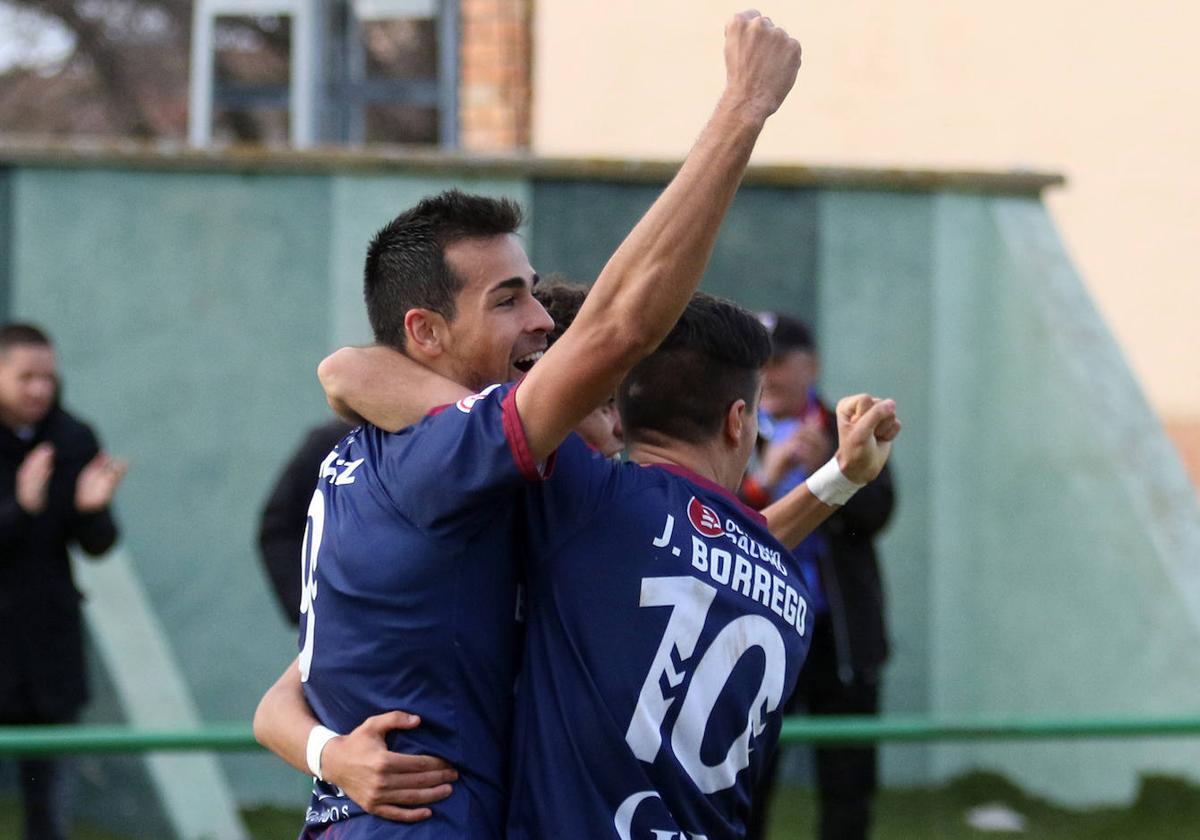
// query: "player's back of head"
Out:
[406,264]
[711,358]
[562,300]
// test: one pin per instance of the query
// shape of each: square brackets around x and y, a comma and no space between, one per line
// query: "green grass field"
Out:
[1165,809]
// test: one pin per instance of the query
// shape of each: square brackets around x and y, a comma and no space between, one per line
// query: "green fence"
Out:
[42,740]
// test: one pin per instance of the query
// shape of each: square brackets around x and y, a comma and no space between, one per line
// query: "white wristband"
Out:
[830,485]
[318,737]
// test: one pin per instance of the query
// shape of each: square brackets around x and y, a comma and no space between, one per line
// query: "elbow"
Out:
[634,312]
[259,726]
[628,340]
[330,375]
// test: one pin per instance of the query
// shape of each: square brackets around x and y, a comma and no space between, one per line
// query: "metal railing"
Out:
[852,730]
[234,737]
[46,740]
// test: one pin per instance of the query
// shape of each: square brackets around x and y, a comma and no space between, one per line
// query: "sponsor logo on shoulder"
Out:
[704,519]
[708,523]
[467,403]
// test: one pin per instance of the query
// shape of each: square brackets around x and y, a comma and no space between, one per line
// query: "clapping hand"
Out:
[97,483]
[33,478]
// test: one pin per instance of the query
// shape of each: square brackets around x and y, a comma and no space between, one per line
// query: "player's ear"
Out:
[736,417]
[425,331]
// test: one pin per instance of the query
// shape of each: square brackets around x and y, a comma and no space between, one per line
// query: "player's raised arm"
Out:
[383,387]
[866,428]
[648,281]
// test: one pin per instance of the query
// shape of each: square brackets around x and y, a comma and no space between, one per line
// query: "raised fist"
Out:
[761,62]
[866,428]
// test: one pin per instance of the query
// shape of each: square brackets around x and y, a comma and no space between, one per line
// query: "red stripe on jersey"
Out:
[716,488]
[518,444]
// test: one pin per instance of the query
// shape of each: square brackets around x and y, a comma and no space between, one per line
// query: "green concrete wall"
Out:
[6,243]
[875,319]
[189,314]
[1066,534]
[765,255]
[1044,552]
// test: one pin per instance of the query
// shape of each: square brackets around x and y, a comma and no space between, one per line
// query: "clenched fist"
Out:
[866,428]
[761,62]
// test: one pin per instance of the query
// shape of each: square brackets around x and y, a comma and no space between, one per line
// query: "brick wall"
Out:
[494,88]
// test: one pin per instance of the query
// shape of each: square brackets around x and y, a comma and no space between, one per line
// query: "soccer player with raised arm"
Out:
[409,562]
[657,722]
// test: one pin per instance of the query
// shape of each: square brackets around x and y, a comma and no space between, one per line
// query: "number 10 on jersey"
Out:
[690,600]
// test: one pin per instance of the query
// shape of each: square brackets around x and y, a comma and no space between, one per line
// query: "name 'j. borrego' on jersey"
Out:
[666,628]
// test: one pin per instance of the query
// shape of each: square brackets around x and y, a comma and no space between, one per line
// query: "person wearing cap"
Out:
[849,646]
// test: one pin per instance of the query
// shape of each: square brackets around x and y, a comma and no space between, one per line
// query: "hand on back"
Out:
[384,783]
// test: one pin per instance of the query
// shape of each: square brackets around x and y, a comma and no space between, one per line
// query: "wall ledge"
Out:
[163,155]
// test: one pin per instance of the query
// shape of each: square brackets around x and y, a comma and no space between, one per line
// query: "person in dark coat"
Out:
[55,490]
[285,515]
[849,643]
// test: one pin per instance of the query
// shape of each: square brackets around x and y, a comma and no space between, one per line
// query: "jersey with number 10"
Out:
[666,629]
[410,600]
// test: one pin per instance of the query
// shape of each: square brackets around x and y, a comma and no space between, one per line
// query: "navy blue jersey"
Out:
[410,601]
[666,629]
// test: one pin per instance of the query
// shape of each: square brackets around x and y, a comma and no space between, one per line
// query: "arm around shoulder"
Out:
[383,386]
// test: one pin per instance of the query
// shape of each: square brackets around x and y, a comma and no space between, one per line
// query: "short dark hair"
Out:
[561,298]
[787,333]
[406,261]
[16,333]
[712,357]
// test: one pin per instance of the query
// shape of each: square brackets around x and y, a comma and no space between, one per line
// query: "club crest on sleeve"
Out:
[704,519]
[467,403]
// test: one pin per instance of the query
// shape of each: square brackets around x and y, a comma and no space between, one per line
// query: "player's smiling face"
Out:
[499,329]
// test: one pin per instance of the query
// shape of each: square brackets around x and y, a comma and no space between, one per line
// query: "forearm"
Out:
[642,290]
[283,719]
[796,515]
[383,386]
[651,276]
[649,279]
[647,283]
